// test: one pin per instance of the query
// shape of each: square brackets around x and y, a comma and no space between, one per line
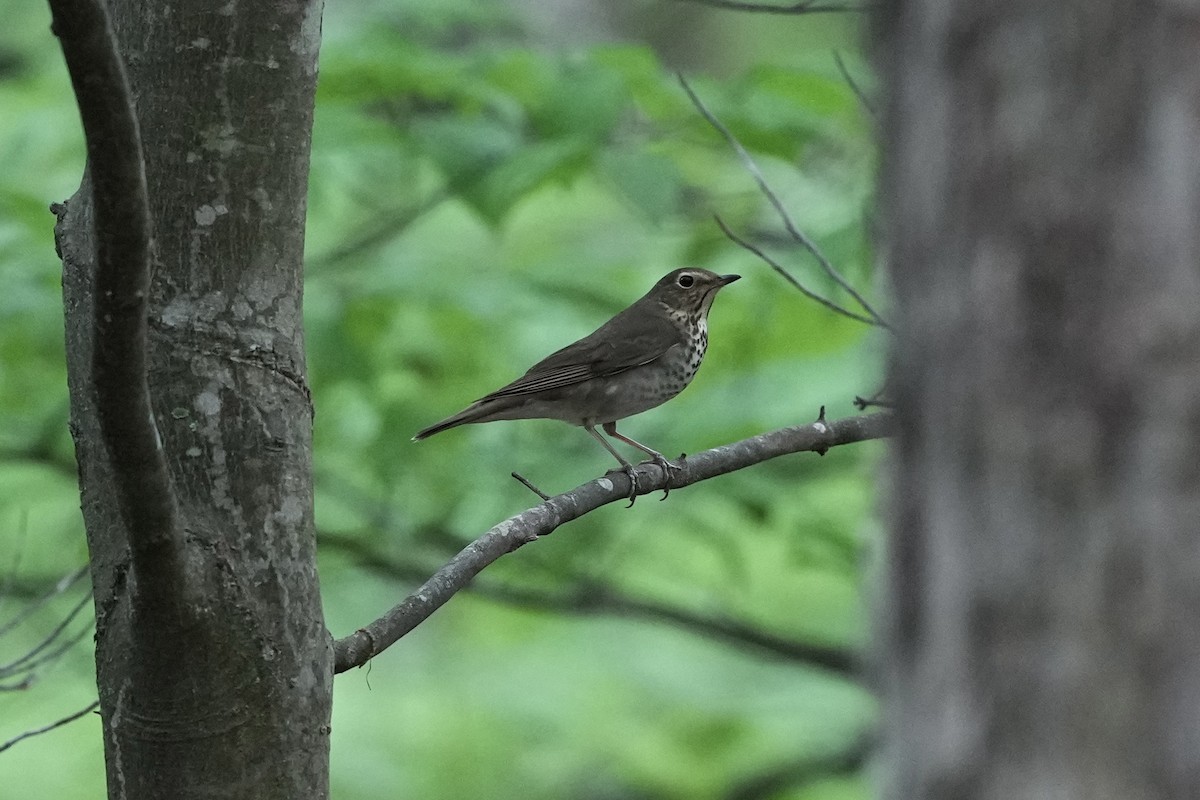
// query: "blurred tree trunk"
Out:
[1042,623]
[234,701]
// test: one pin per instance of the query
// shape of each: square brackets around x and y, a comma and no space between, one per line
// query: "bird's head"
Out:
[690,290]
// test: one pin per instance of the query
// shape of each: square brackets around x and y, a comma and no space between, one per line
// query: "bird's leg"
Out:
[625,465]
[667,467]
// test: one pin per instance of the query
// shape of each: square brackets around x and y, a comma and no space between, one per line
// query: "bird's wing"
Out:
[624,342]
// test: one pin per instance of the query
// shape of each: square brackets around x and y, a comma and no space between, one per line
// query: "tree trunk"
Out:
[233,698]
[1043,194]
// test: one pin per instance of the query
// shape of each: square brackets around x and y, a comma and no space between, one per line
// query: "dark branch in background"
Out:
[122,282]
[593,598]
[392,223]
[809,7]
[52,646]
[362,645]
[47,728]
[799,236]
[773,782]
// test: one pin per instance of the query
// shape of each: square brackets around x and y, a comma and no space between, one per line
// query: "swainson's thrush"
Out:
[639,359]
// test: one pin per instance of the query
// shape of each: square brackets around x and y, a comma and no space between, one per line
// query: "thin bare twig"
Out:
[60,587]
[28,670]
[18,552]
[525,482]
[863,100]
[799,236]
[47,728]
[787,276]
[28,660]
[362,645]
[53,645]
[122,228]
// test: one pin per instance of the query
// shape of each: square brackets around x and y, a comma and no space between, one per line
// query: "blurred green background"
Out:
[491,181]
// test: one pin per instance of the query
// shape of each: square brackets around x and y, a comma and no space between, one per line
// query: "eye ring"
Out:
[685,281]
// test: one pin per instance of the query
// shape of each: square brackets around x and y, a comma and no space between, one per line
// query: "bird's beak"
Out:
[728,279]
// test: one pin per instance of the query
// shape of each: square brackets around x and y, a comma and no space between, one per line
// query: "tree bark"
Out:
[231,696]
[1042,189]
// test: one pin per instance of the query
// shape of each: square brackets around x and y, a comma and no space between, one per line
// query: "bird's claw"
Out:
[631,472]
[669,469]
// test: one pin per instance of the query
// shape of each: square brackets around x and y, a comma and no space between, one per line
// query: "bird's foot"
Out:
[669,470]
[631,472]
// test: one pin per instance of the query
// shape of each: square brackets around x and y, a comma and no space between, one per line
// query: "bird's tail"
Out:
[472,413]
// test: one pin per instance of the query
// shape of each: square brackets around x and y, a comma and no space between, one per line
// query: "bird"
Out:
[638,360]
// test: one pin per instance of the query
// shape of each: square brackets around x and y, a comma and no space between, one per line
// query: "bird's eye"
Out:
[685,281]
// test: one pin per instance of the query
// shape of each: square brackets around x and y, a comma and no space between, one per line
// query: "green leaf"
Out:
[527,169]
[465,148]
[650,181]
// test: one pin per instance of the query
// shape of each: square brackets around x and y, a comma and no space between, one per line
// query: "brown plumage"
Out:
[639,359]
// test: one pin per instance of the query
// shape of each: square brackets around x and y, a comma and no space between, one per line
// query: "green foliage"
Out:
[477,201]
[40,146]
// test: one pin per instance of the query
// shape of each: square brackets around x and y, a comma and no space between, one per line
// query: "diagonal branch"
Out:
[798,235]
[122,281]
[863,99]
[365,643]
